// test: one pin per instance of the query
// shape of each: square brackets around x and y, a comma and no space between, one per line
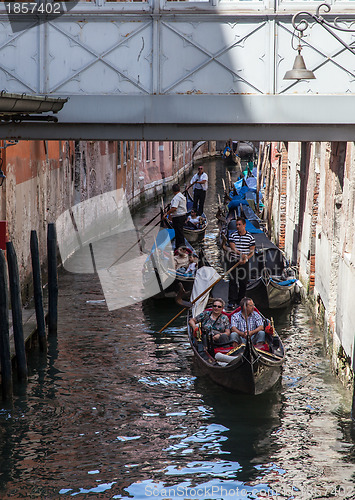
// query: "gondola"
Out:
[230,153]
[244,369]
[159,274]
[273,283]
[194,235]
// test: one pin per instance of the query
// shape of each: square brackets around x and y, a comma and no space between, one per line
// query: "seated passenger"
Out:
[239,328]
[213,322]
[192,267]
[181,259]
[193,221]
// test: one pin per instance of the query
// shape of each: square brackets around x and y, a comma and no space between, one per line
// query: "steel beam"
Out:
[195,118]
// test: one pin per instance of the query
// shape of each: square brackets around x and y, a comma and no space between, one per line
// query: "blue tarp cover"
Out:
[286,282]
[236,201]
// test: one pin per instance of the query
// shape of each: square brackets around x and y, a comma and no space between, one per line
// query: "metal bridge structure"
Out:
[166,70]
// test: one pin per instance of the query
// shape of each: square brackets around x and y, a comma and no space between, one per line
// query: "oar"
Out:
[248,339]
[246,319]
[155,216]
[165,208]
[271,354]
[134,244]
[188,187]
[224,186]
[229,179]
[199,296]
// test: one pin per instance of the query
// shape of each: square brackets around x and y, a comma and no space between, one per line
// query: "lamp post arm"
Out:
[300,24]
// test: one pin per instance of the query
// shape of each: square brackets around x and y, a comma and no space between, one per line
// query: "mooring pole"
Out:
[52,280]
[16,308]
[6,371]
[37,291]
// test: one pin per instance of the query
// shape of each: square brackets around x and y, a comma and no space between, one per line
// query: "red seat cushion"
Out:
[264,347]
[223,350]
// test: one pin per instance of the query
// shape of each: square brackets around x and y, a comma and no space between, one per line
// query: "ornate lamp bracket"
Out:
[300,23]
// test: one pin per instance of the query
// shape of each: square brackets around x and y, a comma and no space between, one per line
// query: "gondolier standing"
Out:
[242,245]
[200,181]
[177,214]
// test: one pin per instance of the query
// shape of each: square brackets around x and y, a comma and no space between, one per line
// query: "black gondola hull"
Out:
[270,294]
[251,372]
[194,236]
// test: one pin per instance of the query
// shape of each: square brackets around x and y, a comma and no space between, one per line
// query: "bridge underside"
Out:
[162,70]
[195,117]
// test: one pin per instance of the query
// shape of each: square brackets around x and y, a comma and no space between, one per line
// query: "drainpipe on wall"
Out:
[162,165]
[3,187]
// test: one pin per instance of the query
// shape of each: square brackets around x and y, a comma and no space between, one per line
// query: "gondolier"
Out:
[242,245]
[200,182]
[177,214]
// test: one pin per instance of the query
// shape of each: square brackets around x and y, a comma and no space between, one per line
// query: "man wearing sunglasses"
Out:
[200,182]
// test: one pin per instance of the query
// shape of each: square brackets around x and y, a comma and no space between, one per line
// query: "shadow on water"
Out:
[250,423]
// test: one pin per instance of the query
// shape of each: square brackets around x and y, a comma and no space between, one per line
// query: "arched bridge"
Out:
[180,70]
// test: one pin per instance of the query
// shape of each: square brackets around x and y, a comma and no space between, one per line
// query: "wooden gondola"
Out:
[159,273]
[230,153]
[194,235]
[273,282]
[244,369]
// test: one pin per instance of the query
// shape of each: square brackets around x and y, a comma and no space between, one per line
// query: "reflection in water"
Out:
[117,410]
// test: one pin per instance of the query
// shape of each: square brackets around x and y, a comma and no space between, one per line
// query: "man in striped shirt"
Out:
[242,245]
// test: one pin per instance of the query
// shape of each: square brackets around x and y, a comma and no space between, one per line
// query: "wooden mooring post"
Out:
[52,280]
[16,308]
[6,371]
[37,291]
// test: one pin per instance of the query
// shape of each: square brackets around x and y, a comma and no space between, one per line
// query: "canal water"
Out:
[116,410]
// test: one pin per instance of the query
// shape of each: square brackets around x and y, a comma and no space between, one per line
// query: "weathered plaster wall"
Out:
[146,169]
[36,190]
[292,201]
[44,179]
[319,236]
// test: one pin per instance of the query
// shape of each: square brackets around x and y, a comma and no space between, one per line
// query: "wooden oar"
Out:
[277,358]
[165,207]
[155,216]
[246,319]
[162,210]
[134,244]
[229,179]
[199,296]
[224,186]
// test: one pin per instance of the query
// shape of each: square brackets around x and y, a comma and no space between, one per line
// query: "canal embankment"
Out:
[310,199]
[32,321]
